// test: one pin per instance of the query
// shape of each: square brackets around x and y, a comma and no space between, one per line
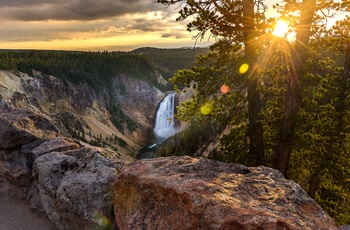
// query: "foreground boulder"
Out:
[21,130]
[76,188]
[188,193]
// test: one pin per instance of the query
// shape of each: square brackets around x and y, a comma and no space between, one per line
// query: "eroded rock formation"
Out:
[138,99]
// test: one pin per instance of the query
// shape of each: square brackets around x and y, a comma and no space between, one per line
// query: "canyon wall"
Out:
[121,117]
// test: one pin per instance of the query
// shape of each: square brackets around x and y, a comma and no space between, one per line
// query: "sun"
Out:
[281,29]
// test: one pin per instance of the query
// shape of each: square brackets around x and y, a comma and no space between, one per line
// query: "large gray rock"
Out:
[15,167]
[76,188]
[16,163]
[73,186]
[189,193]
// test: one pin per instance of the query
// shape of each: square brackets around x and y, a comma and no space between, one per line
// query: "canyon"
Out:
[80,112]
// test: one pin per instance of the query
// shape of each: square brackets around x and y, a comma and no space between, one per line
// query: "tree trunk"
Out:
[255,129]
[293,97]
[314,184]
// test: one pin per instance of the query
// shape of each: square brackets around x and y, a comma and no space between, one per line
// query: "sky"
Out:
[91,25]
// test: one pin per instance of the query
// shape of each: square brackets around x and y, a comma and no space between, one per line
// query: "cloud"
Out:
[49,31]
[89,24]
[67,10]
[158,21]
[25,3]
[48,20]
[149,23]
[175,34]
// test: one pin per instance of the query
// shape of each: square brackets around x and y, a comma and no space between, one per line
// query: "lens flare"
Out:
[244,68]
[207,108]
[102,220]
[224,89]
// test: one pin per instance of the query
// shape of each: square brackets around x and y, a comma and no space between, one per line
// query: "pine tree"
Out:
[290,101]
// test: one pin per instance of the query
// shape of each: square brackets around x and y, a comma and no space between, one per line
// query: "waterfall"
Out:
[165,124]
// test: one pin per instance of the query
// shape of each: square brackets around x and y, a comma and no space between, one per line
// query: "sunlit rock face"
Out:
[189,193]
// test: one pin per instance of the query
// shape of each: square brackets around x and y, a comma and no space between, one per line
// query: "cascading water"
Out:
[165,124]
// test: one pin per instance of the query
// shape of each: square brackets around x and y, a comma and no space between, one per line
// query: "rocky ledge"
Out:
[95,188]
[189,193]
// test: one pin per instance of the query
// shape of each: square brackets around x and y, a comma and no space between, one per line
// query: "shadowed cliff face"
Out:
[121,117]
[138,99]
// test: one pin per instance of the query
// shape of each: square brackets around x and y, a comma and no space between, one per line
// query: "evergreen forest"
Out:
[98,68]
[171,60]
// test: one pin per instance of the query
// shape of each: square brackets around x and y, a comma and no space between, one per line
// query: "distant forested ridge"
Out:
[172,60]
[98,68]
